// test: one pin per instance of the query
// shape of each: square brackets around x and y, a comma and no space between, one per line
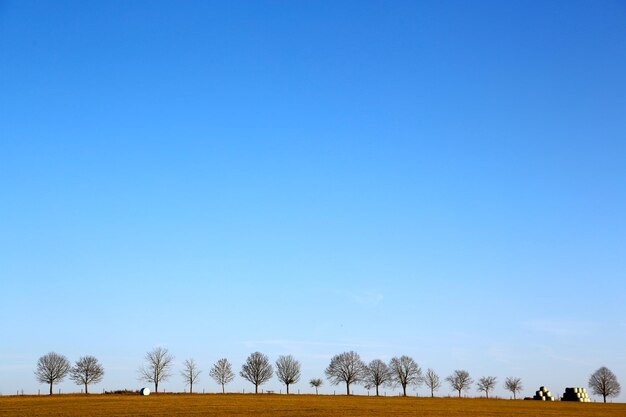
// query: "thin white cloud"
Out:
[365,298]
[459,353]
[291,343]
[563,328]
[12,367]
[501,355]
[549,353]
[368,298]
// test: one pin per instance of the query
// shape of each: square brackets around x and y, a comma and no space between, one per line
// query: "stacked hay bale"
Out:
[576,394]
[543,394]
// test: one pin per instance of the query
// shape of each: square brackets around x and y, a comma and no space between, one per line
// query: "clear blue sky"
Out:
[445,180]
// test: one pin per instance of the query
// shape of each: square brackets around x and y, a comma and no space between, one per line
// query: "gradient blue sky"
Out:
[445,180]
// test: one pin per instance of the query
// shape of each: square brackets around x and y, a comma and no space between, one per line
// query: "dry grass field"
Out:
[293,405]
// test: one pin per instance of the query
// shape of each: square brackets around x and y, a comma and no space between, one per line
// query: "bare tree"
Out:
[378,373]
[460,381]
[405,372]
[346,367]
[604,382]
[257,370]
[190,373]
[157,367]
[87,370]
[514,385]
[222,372]
[486,384]
[316,382]
[432,381]
[288,370]
[52,368]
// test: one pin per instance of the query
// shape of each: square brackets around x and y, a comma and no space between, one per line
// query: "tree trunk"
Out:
[514,395]
[223,389]
[190,387]
[459,393]
[487,394]
[377,390]
[51,388]
[604,397]
[86,392]
[256,388]
[315,390]
[348,388]
[404,389]
[156,387]
[432,393]
[287,388]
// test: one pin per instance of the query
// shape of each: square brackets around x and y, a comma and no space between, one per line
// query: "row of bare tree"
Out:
[403,371]
[52,368]
[345,368]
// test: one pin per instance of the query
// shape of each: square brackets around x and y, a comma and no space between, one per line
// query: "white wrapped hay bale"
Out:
[144,391]
[543,394]
[576,394]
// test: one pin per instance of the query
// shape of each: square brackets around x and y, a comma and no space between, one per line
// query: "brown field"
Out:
[293,405]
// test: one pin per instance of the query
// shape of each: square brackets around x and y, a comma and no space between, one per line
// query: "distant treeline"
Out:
[345,368]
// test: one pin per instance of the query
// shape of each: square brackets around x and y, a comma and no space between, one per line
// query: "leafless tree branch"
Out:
[52,368]
[316,382]
[604,382]
[514,385]
[190,373]
[87,370]
[257,370]
[405,372]
[157,368]
[346,368]
[287,370]
[378,374]
[460,381]
[432,381]
[486,384]
[222,372]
